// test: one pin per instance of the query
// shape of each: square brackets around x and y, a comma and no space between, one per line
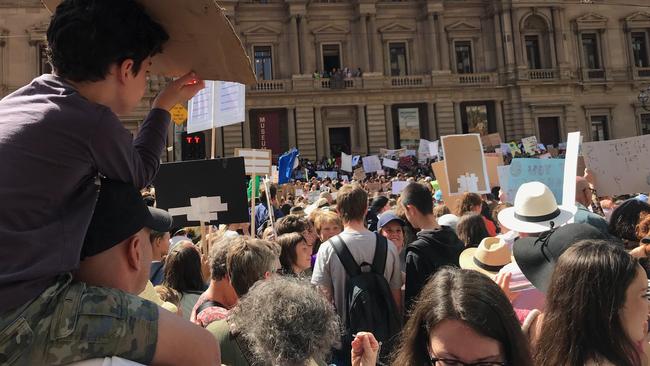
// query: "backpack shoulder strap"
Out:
[346,258]
[207,304]
[381,253]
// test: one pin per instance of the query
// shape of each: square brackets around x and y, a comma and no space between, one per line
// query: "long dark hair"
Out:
[471,230]
[468,296]
[582,322]
[626,217]
[183,270]
[288,243]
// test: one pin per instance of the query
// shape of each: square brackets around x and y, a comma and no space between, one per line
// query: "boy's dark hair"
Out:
[419,196]
[86,37]
[291,224]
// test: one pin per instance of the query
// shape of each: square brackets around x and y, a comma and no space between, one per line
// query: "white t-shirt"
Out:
[329,272]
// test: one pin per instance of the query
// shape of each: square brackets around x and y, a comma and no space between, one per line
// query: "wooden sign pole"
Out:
[214,142]
[253,181]
[268,203]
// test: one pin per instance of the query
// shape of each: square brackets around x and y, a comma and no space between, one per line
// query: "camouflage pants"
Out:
[71,322]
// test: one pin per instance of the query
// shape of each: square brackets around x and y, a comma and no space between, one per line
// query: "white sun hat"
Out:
[535,210]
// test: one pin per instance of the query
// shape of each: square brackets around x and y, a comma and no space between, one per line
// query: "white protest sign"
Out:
[393,164]
[326,174]
[371,164]
[346,162]
[570,168]
[202,209]
[256,162]
[219,104]
[434,148]
[398,186]
[424,149]
[620,166]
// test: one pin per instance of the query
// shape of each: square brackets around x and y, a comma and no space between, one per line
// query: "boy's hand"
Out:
[178,91]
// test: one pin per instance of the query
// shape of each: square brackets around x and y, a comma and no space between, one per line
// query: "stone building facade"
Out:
[428,68]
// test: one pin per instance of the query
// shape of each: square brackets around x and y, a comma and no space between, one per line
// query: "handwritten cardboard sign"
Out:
[620,166]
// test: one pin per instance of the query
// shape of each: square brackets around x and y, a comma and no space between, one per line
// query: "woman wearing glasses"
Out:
[462,318]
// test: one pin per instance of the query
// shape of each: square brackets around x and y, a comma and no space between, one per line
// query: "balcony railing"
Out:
[269,86]
[593,74]
[407,81]
[542,74]
[335,83]
[476,79]
[642,72]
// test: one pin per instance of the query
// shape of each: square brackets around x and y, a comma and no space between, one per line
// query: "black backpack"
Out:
[369,302]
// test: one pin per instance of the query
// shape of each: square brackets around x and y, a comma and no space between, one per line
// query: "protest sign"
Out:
[514,149]
[547,171]
[257,162]
[491,140]
[441,176]
[620,166]
[313,196]
[359,174]
[503,171]
[346,162]
[492,163]
[388,163]
[355,160]
[434,148]
[424,149]
[218,104]
[373,187]
[381,172]
[398,186]
[465,166]
[392,154]
[371,164]
[326,174]
[570,167]
[530,145]
[210,198]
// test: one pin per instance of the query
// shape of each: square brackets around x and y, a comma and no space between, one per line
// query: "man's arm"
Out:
[183,343]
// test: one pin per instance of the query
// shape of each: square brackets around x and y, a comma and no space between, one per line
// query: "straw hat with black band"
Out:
[535,210]
[201,39]
[490,256]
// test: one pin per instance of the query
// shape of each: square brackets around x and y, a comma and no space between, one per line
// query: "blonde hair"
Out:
[326,217]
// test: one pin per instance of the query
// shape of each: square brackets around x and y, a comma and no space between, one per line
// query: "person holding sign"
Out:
[58,134]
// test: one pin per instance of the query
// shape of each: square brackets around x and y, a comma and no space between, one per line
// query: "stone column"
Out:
[390,130]
[560,43]
[501,125]
[320,133]
[520,60]
[293,39]
[291,127]
[506,23]
[443,43]
[377,50]
[432,41]
[458,118]
[247,129]
[362,129]
[498,41]
[363,39]
[305,55]
[432,127]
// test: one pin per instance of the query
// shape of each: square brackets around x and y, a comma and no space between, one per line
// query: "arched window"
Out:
[537,42]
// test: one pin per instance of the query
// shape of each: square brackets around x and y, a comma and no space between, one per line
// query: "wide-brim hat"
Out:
[535,210]
[201,39]
[490,256]
[536,256]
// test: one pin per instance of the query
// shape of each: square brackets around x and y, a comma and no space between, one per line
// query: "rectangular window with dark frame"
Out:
[599,130]
[533,52]
[398,65]
[591,51]
[263,62]
[640,49]
[645,124]
[464,62]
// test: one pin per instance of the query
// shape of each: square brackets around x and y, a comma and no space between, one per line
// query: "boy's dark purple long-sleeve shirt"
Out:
[53,144]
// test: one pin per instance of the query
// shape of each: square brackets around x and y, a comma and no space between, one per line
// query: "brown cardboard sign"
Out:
[439,171]
[465,164]
[201,39]
[491,140]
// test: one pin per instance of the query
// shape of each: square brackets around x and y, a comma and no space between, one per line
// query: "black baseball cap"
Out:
[120,212]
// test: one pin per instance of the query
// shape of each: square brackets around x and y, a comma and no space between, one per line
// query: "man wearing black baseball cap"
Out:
[117,251]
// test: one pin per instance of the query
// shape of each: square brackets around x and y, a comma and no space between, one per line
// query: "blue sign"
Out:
[547,171]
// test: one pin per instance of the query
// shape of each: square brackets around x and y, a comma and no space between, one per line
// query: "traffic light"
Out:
[193,146]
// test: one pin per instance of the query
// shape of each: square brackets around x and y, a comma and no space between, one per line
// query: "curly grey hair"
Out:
[286,322]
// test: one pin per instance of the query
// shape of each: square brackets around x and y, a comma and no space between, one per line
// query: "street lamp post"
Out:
[644,98]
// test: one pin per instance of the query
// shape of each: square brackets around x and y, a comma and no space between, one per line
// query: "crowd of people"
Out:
[92,273]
